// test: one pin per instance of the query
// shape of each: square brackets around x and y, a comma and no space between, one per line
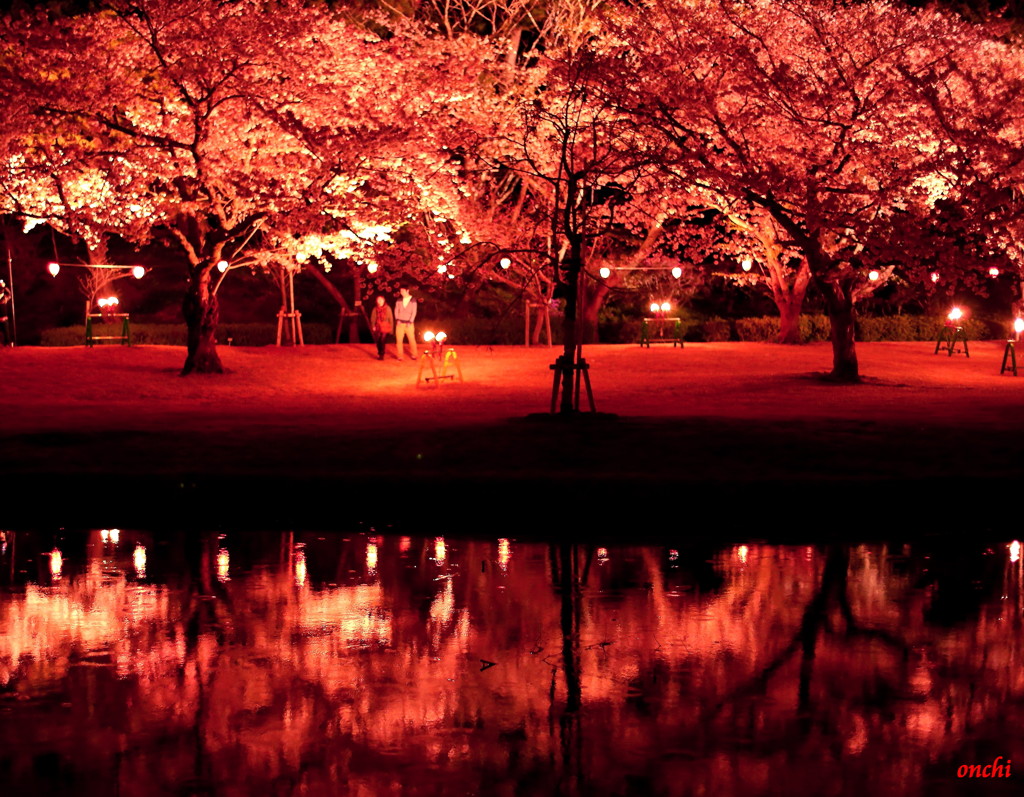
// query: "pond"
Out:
[376,661]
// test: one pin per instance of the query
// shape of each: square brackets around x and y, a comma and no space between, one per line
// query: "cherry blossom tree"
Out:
[230,115]
[810,113]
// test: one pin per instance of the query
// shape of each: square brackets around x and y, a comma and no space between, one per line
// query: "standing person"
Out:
[405,319]
[382,322]
[5,304]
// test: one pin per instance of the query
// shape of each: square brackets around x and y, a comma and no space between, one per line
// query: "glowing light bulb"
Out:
[956,314]
[605,272]
[747,264]
[1018,325]
[873,275]
[222,266]
[138,272]
[666,306]
[442,269]
[54,269]
[441,337]
[993,272]
[428,336]
[372,268]
[505,262]
[655,307]
[677,272]
[934,276]
[1015,551]
[102,302]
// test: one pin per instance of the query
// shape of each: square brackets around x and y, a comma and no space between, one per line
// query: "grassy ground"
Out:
[716,434]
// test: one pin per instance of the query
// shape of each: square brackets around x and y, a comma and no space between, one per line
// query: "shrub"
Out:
[710,330]
[175,334]
[761,330]
[814,328]
[913,327]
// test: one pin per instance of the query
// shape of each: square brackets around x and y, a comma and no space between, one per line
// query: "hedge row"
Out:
[816,328]
[470,331]
[174,334]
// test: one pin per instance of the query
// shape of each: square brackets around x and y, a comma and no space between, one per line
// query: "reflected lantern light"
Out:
[139,560]
[223,565]
[1015,551]
[56,563]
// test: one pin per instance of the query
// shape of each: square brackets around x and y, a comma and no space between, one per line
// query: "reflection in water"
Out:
[223,564]
[56,564]
[365,664]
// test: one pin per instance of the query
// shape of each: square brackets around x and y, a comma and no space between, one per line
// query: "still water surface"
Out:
[371,663]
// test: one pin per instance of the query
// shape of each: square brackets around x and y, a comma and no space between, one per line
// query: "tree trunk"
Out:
[789,322]
[201,314]
[568,357]
[839,300]
[357,292]
[593,297]
[788,291]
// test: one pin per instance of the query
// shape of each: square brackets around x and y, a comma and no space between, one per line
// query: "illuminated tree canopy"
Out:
[826,140]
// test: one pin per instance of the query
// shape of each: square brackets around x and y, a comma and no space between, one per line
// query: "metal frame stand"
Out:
[949,337]
[1011,355]
[125,338]
[446,355]
[677,331]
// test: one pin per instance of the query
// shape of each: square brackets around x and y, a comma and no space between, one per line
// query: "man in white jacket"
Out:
[405,322]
